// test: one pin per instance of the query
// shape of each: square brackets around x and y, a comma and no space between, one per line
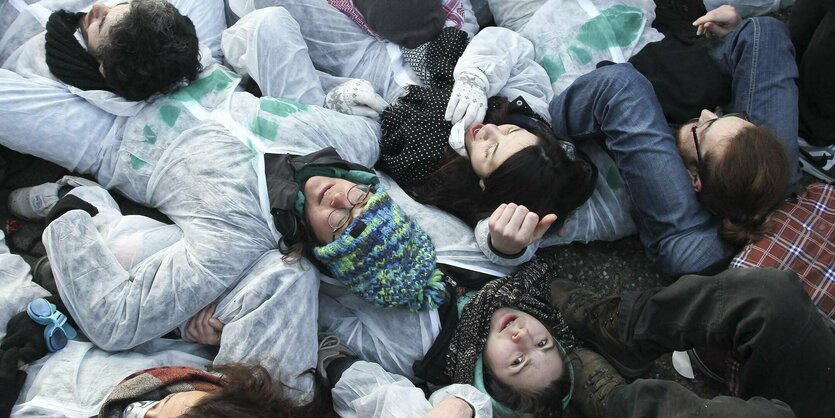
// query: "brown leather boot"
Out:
[594,319]
[595,380]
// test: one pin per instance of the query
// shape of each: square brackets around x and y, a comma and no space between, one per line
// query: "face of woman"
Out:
[323,195]
[489,146]
[176,404]
[520,350]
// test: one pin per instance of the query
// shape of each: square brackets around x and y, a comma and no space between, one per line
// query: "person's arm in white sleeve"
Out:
[268,46]
[117,309]
[500,54]
[477,401]
[497,61]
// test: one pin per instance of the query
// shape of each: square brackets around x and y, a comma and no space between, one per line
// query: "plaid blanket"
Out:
[803,241]
[155,384]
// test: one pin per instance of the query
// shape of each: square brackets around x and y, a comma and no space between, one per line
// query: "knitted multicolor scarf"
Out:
[386,258]
[528,290]
[155,384]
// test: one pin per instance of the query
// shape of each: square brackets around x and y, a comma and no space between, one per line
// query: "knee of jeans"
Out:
[770,32]
[623,75]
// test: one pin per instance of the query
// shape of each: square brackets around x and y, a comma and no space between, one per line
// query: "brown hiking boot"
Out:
[594,320]
[595,380]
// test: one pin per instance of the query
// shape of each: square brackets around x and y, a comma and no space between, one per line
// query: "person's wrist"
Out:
[463,406]
[504,252]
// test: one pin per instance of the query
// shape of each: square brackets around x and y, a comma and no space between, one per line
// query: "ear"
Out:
[101,69]
[481,184]
[697,182]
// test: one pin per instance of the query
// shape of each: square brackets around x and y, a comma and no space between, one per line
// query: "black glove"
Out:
[11,380]
[68,203]
[26,336]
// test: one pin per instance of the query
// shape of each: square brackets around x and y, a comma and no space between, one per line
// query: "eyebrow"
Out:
[524,366]
[708,124]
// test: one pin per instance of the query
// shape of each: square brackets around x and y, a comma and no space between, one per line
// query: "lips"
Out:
[506,320]
[474,130]
[322,193]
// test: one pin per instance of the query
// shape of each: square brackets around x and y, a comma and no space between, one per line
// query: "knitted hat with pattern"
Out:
[386,258]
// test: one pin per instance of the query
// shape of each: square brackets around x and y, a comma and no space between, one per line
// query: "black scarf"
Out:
[414,132]
[66,58]
[529,290]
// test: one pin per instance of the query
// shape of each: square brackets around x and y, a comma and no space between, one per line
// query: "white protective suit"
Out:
[588,31]
[366,390]
[74,381]
[339,47]
[196,155]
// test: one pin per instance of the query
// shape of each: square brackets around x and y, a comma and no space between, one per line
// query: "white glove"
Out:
[468,102]
[355,97]
[456,139]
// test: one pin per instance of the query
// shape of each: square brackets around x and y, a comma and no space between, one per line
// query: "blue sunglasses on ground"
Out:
[57,332]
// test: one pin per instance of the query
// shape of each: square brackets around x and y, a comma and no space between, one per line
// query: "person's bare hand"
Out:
[204,328]
[718,22]
[513,228]
[451,407]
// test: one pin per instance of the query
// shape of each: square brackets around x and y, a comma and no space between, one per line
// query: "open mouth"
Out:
[474,130]
[506,320]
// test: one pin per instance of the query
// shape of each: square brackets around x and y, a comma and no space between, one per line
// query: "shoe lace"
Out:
[602,382]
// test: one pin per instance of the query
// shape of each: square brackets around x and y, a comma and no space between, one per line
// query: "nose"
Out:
[339,200]
[99,10]
[518,334]
[489,132]
[706,115]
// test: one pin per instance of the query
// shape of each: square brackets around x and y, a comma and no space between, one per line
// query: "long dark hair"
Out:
[248,391]
[542,177]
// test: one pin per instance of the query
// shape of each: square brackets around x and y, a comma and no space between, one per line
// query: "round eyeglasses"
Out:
[340,217]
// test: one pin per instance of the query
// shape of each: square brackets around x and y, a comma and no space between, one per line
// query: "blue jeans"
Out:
[618,105]
[759,57]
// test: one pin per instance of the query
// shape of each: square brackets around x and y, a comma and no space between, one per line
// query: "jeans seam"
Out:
[754,59]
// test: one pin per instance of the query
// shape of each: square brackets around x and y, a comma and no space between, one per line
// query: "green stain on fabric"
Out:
[619,25]
[555,69]
[579,54]
[198,89]
[136,163]
[169,114]
[150,135]
[613,178]
[281,107]
[264,128]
